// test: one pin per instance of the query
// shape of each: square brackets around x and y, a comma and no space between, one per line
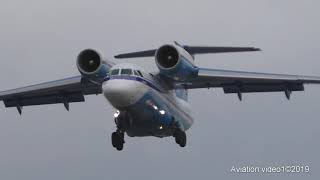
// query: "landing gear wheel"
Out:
[180,137]
[117,139]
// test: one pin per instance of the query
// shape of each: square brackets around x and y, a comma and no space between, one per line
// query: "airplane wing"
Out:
[248,82]
[63,91]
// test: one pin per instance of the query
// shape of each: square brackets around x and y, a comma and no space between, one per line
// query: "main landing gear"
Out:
[180,137]
[117,139]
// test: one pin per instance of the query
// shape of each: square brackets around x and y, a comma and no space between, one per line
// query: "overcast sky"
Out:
[40,39]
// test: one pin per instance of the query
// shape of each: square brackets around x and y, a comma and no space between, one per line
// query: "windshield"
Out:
[114,72]
[126,72]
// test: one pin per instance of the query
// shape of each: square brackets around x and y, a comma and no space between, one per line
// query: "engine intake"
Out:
[91,65]
[88,61]
[167,56]
[175,62]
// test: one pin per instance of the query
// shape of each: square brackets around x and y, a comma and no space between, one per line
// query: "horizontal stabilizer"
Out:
[204,50]
[148,53]
[190,49]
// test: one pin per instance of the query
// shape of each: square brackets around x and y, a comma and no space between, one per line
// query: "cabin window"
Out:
[126,72]
[114,72]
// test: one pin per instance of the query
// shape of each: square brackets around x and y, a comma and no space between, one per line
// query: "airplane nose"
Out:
[122,93]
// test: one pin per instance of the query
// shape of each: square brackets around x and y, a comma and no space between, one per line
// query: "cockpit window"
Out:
[126,72]
[137,73]
[114,72]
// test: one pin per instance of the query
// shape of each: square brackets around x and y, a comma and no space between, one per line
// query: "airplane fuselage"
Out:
[147,107]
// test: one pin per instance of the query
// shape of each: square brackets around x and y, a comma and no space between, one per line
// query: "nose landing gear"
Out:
[117,139]
[180,137]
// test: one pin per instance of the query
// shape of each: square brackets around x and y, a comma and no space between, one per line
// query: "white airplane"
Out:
[151,104]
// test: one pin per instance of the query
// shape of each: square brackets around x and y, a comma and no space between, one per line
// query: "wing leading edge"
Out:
[248,82]
[63,91]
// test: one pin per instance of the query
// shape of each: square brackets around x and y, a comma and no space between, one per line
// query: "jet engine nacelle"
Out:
[91,65]
[175,62]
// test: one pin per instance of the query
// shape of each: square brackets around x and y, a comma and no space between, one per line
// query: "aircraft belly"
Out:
[153,115]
